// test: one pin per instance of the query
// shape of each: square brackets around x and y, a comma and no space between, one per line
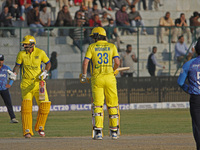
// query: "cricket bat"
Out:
[42,85]
[123,68]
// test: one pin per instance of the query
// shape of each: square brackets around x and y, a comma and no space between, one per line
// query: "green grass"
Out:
[78,123]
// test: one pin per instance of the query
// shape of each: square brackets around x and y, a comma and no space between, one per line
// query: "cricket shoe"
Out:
[98,135]
[27,136]
[14,120]
[41,133]
[114,135]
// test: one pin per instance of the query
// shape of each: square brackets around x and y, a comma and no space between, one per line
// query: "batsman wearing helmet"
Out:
[30,61]
[103,82]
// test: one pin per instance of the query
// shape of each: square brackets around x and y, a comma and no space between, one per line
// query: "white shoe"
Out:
[114,136]
[98,136]
[14,120]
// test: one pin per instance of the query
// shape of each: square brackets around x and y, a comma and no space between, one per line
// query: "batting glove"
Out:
[12,75]
[116,72]
[43,75]
[83,78]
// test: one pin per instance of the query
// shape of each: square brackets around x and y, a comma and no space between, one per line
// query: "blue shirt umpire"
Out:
[4,92]
[191,71]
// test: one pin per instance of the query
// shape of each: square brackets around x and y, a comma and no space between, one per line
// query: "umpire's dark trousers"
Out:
[7,100]
[195,114]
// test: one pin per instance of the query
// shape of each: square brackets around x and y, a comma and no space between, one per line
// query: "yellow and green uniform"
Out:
[31,64]
[103,81]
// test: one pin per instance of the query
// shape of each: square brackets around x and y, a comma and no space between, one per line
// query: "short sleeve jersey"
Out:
[32,62]
[101,56]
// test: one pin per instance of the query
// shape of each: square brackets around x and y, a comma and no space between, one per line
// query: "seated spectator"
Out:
[136,19]
[64,19]
[78,36]
[6,21]
[14,9]
[182,23]
[94,10]
[120,3]
[25,7]
[77,2]
[152,62]
[181,51]
[109,4]
[166,21]
[105,19]
[95,22]
[111,31]
[41,2]
[194,22]
[45,19]
[33,20]
[62,3]
[101,3]
[134,2]
[122,19]
[88,3]
[82,15]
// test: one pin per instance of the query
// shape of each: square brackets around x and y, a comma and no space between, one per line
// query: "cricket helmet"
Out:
[28,39]
[98,31]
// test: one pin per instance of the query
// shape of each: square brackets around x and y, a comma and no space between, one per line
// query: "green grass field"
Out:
[78,123]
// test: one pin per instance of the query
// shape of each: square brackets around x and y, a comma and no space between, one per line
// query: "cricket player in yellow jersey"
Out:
[30,60]
[103,82]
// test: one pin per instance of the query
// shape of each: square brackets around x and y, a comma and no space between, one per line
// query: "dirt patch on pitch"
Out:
[134,142]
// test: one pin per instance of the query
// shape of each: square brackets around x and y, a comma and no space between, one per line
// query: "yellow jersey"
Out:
[31,63]
[101,56]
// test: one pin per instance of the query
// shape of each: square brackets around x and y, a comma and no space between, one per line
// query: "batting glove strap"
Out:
[44,74]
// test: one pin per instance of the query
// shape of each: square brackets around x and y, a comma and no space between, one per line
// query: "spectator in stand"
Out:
[95,22]
[182,24]
[54,66]
[122,19]
[152,62]
[64,19]
[194,22]
[45,19]
[134,2]
[109,4]
[25,7]
[78,36]
[62,3]
[120,3]
[14,9]
[100,1]
[41,2]
[105,19]
[136,19]
[77,2]
[127,59]
[88,3]
[33,20]
[181,50]
[82,15]
[6,21]
[94,10]
[111,31]
[167,21]
[156,4]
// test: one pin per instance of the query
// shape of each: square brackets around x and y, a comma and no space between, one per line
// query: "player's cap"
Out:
[197,47]
[1,57]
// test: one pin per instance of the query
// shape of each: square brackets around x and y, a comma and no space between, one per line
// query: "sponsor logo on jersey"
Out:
[2,75]
[36,57]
